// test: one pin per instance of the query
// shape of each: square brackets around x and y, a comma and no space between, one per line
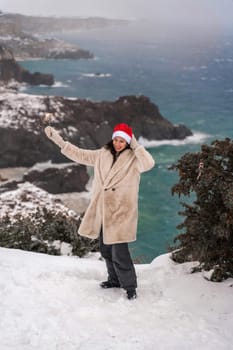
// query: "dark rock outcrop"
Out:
[82,122]
[36,78]
[10,69]
[70,178]
[52,178]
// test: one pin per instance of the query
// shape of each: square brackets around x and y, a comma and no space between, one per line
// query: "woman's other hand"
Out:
[53,135]
[134,144]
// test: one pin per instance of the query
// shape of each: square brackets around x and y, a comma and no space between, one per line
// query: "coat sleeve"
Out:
[145,160]
[79,155]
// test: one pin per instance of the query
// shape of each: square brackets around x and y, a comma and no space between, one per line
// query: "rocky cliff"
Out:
[53,178]
[85,123]
[10,69]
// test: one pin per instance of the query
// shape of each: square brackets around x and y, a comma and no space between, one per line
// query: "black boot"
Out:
[131,294]
[109,284]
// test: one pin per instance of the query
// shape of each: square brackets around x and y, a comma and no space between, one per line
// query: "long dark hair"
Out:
[111,148]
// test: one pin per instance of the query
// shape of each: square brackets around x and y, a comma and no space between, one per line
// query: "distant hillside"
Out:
[31,37]
[36,25]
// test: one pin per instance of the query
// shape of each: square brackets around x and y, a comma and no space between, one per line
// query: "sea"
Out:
[189,77]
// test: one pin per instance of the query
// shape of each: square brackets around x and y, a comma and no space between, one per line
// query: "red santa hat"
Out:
[124,131]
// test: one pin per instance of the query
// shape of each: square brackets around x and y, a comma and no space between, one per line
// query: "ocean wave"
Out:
[59,84]
[23,88]
[225,59]
[97,75]
[196,138]
[190,68]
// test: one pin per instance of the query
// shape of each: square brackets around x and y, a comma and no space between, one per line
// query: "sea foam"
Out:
[196,138]
[97,75]
[59,84]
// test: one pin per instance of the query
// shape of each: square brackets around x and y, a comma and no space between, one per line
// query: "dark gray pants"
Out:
[119,264]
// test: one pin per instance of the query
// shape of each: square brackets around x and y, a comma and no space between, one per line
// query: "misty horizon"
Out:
[206,14]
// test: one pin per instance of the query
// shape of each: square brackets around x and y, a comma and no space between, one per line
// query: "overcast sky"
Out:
[203,11]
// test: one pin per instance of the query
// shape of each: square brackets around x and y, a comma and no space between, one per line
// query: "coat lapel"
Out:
[104,165]
[114,174]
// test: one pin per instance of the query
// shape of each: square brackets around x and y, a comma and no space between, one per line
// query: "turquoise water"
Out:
[191,84]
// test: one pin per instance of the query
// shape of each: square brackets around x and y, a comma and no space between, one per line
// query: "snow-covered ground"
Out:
[55,303]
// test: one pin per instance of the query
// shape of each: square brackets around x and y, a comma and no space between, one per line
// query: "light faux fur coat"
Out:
[114,202]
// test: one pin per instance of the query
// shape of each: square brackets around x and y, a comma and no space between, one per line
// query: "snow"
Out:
[27,200]
[75,201]
[22,110]
[14,106]
[55,303]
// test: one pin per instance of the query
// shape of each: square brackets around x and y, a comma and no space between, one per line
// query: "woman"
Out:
[112,213]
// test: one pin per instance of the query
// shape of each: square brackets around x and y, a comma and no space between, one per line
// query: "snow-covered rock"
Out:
[85,123]
[31,219]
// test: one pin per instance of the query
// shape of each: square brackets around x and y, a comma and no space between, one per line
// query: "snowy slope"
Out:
[19,110]
[55,303]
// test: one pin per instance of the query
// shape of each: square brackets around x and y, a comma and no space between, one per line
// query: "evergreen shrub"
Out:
[207,235]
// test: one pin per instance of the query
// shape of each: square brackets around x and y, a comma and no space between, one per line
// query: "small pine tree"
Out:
[44,231]
[33,220]
[208,223]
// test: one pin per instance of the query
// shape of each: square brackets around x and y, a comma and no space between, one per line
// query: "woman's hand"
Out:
[53,135]
[133,144]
